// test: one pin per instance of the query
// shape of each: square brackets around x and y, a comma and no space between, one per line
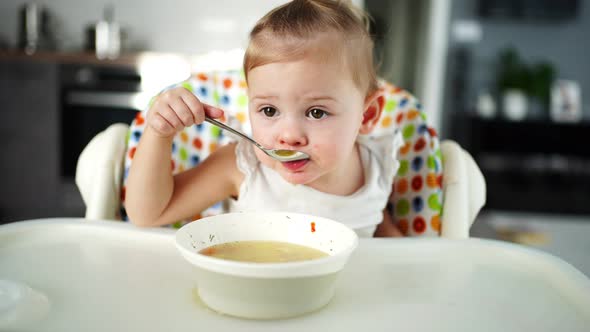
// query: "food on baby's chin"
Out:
[284,153]
[262,251]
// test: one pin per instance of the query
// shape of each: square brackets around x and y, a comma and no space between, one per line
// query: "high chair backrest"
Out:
[417,196]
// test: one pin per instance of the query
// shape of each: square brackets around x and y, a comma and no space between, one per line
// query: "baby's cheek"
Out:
[263,157]
[259,154]
[329,152]
[264,135]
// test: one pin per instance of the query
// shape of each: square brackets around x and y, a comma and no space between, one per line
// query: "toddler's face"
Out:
[310,106]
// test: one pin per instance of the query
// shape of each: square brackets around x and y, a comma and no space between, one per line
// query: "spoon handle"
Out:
[230,129]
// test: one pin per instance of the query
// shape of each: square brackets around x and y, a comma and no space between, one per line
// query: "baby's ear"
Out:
[372,111]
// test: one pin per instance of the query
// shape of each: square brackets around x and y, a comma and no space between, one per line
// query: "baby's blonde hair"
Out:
[295,30]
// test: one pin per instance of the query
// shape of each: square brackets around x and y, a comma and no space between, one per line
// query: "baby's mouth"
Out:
[295,165]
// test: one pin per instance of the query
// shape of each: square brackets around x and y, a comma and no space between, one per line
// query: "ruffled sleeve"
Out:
[385,148]
[245,158]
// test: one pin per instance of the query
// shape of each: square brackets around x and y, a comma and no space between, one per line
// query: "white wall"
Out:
[186,26]
[431,72]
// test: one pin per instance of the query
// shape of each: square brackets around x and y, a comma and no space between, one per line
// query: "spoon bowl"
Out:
[278,154]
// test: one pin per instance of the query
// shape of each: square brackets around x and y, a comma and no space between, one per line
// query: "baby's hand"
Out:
[177,108]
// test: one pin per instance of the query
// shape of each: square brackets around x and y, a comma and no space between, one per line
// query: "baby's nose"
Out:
[292,135]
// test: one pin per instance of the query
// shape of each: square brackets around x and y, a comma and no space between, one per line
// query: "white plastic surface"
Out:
[11,294]
[103,276]
[99,171]
[20,305]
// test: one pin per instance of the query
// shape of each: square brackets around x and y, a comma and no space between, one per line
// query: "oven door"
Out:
[85,113]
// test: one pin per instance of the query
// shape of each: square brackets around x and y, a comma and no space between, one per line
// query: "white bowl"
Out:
[266,290]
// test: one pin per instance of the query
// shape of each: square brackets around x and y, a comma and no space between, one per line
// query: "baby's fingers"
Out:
[199,109]
[212,111]
[172,118]
[194,106]
[183,112]
[161,126]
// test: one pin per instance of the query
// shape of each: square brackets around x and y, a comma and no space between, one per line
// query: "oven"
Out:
[92,98]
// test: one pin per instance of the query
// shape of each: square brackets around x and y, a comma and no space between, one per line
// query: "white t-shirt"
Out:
[265,190]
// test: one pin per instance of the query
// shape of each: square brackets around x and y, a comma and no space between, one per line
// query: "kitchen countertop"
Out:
[207,61]
[67,57]
[564,236]
[129,59]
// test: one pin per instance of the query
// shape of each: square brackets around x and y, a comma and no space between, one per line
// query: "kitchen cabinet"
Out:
[29,172]
[533,165]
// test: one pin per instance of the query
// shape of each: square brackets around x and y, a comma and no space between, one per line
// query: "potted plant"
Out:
[522,86]
[513,84]
[542,77]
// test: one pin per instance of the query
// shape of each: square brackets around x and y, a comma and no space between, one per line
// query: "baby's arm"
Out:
[154,197]
[387,228]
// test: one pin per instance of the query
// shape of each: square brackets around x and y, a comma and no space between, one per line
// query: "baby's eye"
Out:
[317,113]
[269,111]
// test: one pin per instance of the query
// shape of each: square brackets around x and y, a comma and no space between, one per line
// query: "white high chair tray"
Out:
[111,276]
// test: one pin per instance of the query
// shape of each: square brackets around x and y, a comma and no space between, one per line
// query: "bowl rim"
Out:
[308,268]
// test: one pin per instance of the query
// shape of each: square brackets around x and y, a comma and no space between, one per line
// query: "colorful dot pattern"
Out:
[417,189]
[416,196]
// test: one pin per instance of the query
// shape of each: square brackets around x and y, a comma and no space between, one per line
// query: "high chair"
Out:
[437,191]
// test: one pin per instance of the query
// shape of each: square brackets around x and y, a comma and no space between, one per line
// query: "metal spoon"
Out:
[278,154]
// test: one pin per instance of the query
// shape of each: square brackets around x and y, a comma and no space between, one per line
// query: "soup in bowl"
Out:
[266,265]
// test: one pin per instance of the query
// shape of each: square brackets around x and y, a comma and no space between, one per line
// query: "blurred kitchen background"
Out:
[508,79]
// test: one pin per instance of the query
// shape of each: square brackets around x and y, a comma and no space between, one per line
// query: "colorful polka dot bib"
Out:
[416,195]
